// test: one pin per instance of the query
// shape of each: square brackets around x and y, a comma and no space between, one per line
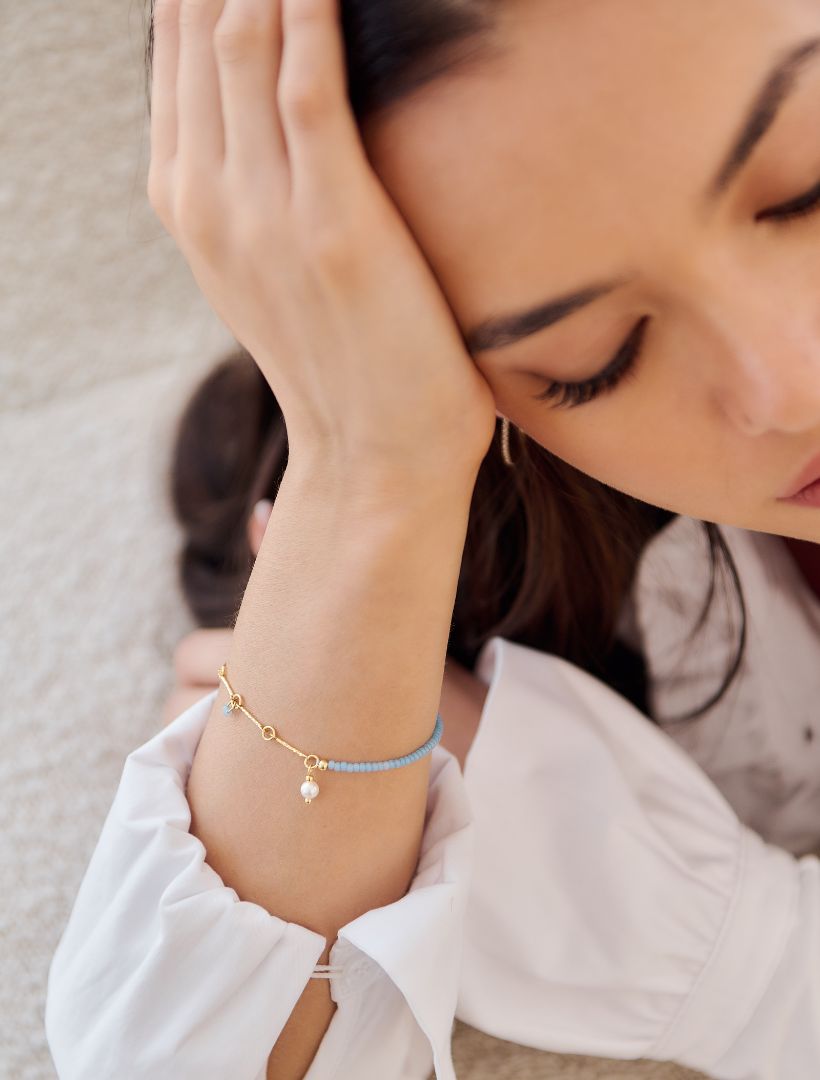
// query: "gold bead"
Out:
[322,764]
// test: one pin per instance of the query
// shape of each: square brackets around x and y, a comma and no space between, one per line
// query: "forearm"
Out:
[340,643]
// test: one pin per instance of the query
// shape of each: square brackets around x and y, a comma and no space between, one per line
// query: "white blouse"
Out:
[587,885]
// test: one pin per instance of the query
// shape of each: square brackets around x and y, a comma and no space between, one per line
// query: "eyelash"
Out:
[624,363]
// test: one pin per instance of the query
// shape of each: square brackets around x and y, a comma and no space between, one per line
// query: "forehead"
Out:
[585,140]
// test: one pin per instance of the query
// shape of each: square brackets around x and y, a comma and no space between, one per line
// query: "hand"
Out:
[258,172]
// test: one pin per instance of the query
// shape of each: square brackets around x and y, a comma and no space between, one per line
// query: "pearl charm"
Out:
[309,789]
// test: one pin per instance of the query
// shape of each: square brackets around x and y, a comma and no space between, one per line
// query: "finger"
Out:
[198,656]
[164,56]
[200,133]
[257,524]
[248,44]
[323,143]
[182,697]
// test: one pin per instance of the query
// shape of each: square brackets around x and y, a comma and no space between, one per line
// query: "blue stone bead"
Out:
[226,709]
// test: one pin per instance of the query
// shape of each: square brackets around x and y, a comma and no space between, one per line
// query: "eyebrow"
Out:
[500,331]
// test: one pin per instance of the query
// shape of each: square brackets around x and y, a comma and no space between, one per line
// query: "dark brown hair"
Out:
[550,553]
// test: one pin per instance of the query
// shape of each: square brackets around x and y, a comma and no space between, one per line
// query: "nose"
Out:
[767,378]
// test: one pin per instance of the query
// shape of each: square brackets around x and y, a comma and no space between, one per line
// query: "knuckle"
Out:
[328,245]
[184,655]
[252,235]
[237,38]
[304,102]
[179,657]
[193,214]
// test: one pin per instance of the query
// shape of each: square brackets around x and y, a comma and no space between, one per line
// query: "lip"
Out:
[809,476]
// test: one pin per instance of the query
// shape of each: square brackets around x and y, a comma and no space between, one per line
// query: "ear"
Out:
[257,523]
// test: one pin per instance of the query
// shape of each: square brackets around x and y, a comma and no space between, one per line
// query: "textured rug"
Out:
[102,334]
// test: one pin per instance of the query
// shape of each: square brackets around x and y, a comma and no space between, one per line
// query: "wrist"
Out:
[380,489]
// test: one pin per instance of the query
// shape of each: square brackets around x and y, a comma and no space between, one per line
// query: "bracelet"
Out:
[309,788]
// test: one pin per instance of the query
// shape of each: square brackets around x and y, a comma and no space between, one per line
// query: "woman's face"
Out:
[633,173]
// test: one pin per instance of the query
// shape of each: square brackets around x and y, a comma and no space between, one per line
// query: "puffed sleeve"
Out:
[163,972]
[648,922]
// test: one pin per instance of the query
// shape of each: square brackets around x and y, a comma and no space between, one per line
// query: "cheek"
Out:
[658,459]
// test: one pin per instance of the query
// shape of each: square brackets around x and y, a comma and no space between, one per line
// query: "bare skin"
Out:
[578,154]
[595,136]
[199,654]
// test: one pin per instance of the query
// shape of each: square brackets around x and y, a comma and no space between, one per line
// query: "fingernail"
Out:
[262,511]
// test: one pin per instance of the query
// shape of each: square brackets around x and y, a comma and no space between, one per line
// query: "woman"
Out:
[616,210]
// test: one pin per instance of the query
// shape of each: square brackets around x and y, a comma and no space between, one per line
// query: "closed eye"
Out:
[571,394]
[804,204]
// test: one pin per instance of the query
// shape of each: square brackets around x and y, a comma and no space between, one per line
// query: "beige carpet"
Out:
[102,333]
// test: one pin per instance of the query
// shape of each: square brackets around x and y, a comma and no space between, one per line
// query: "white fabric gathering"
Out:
[623,889]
